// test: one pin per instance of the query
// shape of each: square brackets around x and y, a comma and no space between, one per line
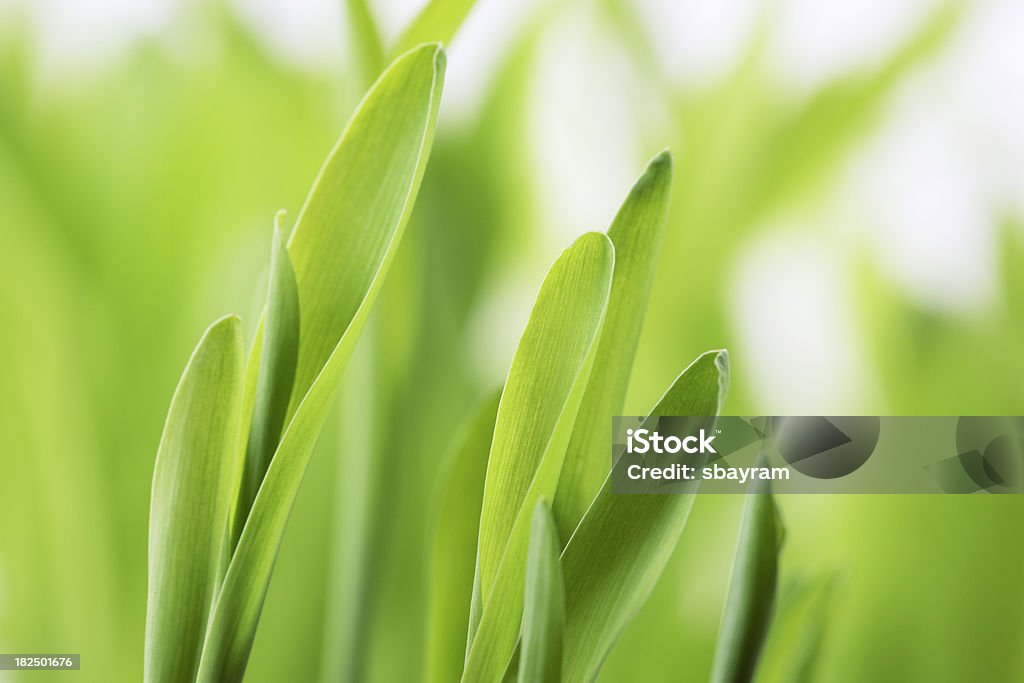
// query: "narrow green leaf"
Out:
[344,241]
[540,659]
[621,546]
[279,350]
[547,366]
[359,203]
[190,502]
[636,233]
[453,557]
[538,407]
[437,21]
[748,608]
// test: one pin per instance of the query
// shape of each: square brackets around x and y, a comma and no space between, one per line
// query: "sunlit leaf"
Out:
[279,347]
[189,507]
[636,234]
[343,243]
[630,537]
[541,397]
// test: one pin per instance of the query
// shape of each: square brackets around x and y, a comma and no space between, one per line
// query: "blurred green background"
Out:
[847,220]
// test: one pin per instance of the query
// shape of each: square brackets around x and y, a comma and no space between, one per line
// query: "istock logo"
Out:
[644,441]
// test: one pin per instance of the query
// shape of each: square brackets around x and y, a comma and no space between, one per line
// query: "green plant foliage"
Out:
[538,405]
[133,200]
[278,352]
[621,546]
[544,606]
[342,245]
[636,235]
[191,494]
[535,404]
[749,606]
[349,227]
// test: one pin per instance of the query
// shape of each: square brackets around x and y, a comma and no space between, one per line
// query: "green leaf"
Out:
[547,366]
[636,234]
[279,348]
[748,608]
[621,546]
[538,406]
[540,660]
[190,502]
[453,557]
[360,202]
[343,243]
[437,21]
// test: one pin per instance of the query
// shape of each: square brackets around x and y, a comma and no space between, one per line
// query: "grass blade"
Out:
[748,609]
[547,365]
[277,356]
[540,660]
[453,558]
[359,204]
[437,21]
[190,502]
[636,234]
[630,537]
[344,241]
[538,406]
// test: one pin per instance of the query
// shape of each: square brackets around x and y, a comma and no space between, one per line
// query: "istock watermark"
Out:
[819,454]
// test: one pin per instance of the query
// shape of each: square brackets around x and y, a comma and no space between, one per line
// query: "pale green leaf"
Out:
[621,546]
[540,659]
[279,349]
[751,598]
[453,557]
[343,243]
[636,234]
[359,203]
[547,366]
[190,502]
[538,407]
[437,21]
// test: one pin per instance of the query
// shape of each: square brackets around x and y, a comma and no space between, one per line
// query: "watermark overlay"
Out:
[818,454]
[38,662]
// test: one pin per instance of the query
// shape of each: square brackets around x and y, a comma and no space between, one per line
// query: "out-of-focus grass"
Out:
[121,195]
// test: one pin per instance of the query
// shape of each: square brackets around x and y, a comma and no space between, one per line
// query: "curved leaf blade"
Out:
[343,244]
[190,502]
[549,374]
[623,543]
[636,234]
[360,202]
[545,370]
[277,357]
[540,660]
